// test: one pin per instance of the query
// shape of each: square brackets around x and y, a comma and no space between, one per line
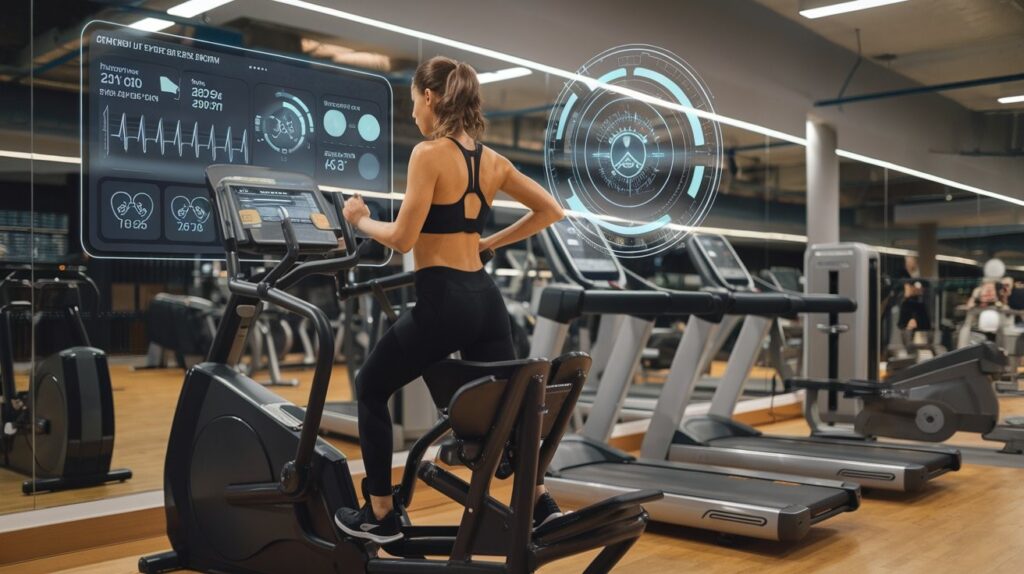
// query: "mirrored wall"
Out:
[149,320]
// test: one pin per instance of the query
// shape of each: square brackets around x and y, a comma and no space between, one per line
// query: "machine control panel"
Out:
[721,259]
[588,260]
[252,203]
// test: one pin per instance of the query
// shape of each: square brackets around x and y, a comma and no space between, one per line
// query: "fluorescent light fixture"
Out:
[542,68]
[506,74]
[193,8]
[151,24]
[726,231]
[558,72]
[39,156]
[1012,99]
[928,176]
[345,56]
[832,8]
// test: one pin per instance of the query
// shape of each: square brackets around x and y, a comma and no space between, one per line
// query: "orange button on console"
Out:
[320,221]
[249,217]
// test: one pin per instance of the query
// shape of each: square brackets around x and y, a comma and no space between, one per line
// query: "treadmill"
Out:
[771,506]
[605,273]
[715,438]
[572,260]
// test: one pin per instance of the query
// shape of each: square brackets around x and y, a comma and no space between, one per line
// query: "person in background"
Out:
[913,310]
[1005,288]
[985,296]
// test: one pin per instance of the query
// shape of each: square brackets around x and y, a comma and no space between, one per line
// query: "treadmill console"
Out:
[251,203]
[718,262]
[580,259]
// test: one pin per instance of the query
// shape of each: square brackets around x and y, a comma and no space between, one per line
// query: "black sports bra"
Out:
[451,217]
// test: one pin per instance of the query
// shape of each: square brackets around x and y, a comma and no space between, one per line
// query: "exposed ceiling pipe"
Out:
[922,90]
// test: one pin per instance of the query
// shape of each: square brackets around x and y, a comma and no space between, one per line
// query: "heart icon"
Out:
[198,207]
[138,207]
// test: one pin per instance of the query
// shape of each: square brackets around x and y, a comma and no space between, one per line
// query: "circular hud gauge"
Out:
[630,150]
[285,124]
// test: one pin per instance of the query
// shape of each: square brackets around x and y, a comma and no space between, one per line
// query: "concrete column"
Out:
[822,183]
[927,247]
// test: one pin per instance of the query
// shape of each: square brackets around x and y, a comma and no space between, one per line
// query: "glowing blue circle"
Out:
[334,123]
[369,128]
[369,166]
[636,173]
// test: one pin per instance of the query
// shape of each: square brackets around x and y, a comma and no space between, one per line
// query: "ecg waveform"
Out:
[129,131]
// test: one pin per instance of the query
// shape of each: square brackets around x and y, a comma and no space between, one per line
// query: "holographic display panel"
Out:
[157,109]
[630,150]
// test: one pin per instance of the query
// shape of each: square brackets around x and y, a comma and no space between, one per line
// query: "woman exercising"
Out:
[452,182]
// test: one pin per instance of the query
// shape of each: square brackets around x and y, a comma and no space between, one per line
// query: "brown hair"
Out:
[458,91]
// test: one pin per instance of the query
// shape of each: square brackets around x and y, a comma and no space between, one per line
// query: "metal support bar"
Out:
[741,362]
[687,366]
[623,362]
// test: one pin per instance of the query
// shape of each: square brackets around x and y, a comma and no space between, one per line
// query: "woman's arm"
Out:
[402,233]
[544,210]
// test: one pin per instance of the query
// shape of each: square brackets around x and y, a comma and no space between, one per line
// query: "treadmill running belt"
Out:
[854,451]
[712,485]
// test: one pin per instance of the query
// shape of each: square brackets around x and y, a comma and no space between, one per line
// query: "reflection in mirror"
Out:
[153,319]
[16,311]
[16,249]
[939,246]
[148,320]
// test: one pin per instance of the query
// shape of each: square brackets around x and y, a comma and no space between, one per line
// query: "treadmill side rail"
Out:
[901,477]
[764,522]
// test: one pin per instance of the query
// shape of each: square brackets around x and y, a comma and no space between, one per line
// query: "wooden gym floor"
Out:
[144,404]
[970,520]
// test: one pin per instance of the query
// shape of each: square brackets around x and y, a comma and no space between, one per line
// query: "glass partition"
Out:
[944,252]
[152,319]
[20,240]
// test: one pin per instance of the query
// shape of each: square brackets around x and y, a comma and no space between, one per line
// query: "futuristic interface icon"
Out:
[131,211]
[626,158]
[285,124]
[196,209]
[630,149]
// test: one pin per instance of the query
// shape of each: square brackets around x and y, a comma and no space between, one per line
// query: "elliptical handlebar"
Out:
[293,479]
[388,283]
[291,243]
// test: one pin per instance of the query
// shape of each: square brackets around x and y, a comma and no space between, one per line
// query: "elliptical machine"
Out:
[249,486]
[61,430]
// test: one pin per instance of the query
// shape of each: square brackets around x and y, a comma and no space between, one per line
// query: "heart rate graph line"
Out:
[128,131]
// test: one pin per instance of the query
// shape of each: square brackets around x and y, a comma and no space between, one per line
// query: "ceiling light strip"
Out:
[510,204]
[151,24]
[539,67]
[728,232]
[39,156]
[544,68]
[835,8]
[928,176]
[193,8]
[500,75]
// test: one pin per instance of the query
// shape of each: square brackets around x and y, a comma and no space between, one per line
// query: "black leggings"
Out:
[455,311]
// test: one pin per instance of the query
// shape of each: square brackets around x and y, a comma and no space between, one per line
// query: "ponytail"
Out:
[458,91]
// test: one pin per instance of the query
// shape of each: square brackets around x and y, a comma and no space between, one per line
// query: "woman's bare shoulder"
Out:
[429,147]
[501,162]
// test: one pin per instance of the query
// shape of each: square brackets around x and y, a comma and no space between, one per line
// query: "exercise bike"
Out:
[249,486]
[929,401]
[61,430]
